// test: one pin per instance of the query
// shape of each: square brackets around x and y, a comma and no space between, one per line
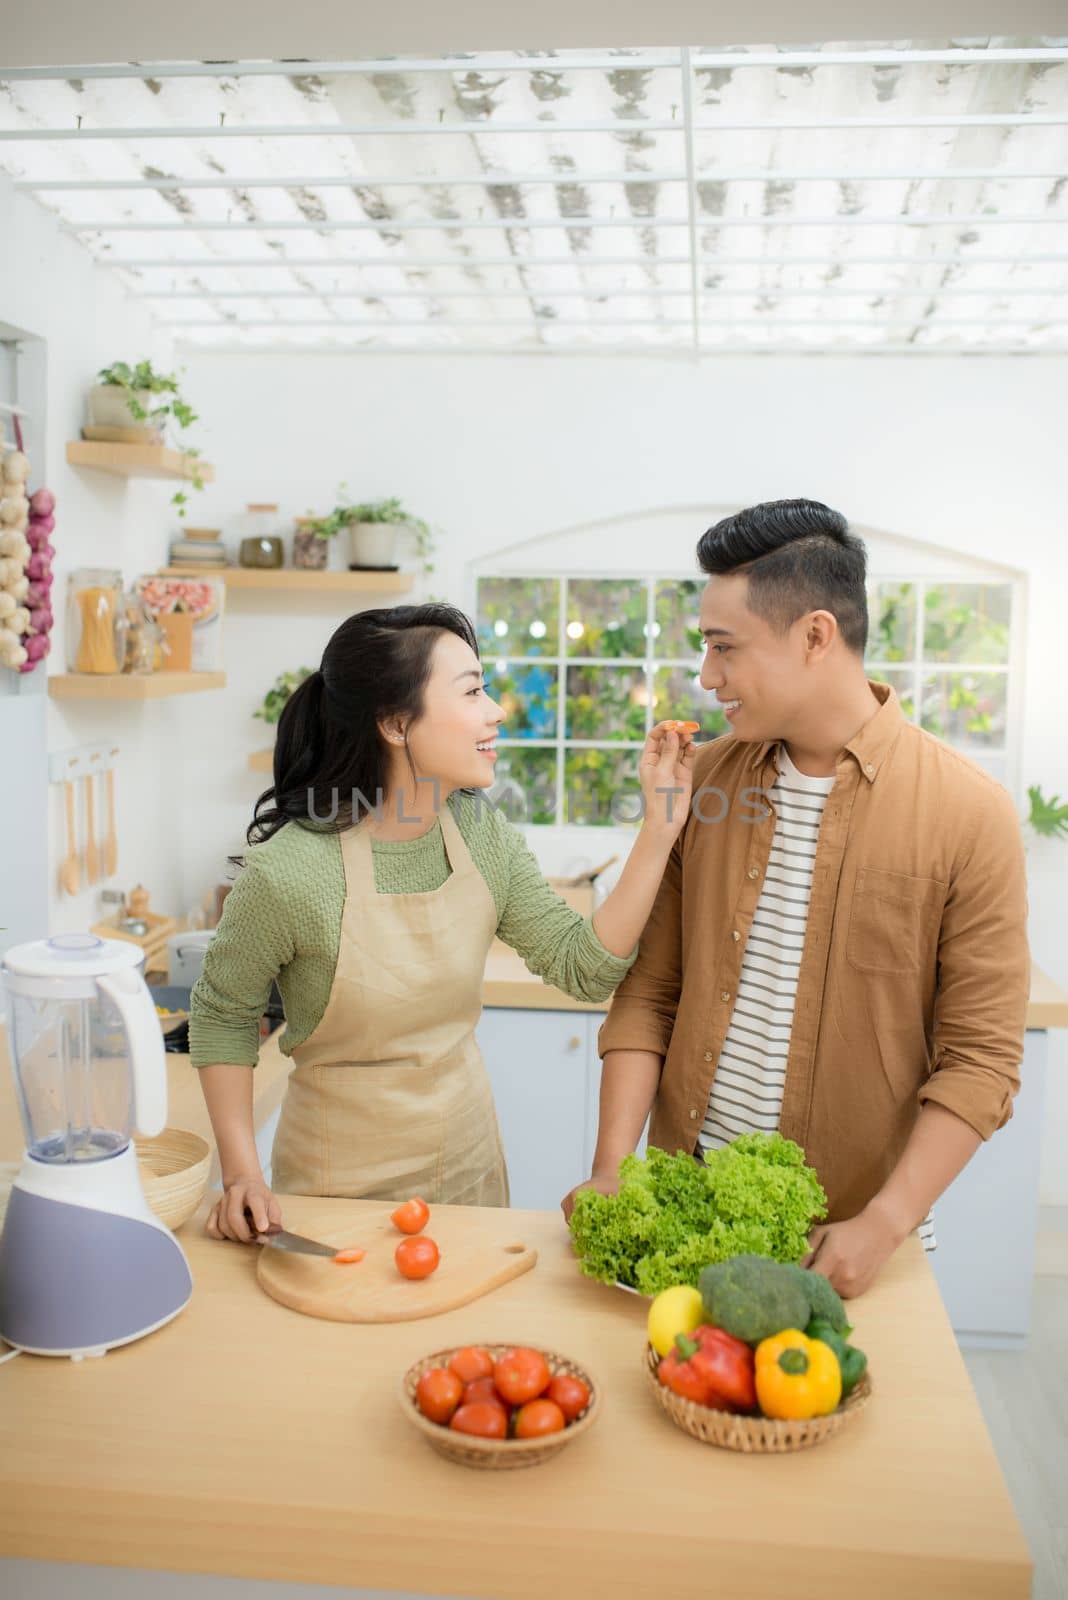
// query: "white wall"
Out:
[959,452]
[51,291]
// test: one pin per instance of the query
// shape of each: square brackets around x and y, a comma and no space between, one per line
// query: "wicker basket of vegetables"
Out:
[756,1358]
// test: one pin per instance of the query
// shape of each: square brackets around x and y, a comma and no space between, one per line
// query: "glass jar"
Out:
[309,551]
[259,542]
[95,621]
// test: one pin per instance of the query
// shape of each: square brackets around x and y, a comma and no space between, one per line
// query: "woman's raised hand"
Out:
[666,773]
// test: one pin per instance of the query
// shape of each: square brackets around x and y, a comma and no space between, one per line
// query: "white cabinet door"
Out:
[538,1063]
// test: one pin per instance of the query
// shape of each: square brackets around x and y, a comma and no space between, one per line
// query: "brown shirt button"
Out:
[735,935]
[724,994]
[870,767]
[693,1116]
[754,872]
[708,1055]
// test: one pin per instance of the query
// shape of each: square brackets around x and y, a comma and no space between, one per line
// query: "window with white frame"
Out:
[584,665]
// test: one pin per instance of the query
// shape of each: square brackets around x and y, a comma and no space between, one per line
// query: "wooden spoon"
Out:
[70,876]
[92,860]
[111,843]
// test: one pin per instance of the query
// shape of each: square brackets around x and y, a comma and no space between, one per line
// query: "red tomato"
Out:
[416,1258]
[471,1363]
[521,1375]
[438,1393]
[570,1394]
[487,1420]
[411,1217]
[352,1254]
[482,1389]
[538,1417]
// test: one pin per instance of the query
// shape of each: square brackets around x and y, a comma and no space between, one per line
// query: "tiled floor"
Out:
[1024,1397]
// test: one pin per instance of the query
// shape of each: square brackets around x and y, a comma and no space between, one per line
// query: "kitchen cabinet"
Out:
[539,1066]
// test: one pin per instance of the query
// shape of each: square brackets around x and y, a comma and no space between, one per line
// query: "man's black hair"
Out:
[798,556]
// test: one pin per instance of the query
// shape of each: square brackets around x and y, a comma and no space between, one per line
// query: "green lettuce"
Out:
[674,1215]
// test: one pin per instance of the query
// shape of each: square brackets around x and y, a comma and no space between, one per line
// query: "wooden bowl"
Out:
[174,1169]
[753,1435]
[497,1454]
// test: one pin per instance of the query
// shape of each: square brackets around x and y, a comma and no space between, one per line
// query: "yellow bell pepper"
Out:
[797,1377]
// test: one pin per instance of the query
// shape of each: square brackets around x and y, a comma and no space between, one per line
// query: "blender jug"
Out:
[87,1057]
[78,1038]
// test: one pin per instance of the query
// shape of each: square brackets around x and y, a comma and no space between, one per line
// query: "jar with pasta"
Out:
[95,620]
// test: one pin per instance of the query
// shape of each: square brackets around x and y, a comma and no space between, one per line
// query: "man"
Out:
[838,948]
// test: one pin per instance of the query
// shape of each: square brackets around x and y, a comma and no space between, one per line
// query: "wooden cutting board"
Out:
[474,1261]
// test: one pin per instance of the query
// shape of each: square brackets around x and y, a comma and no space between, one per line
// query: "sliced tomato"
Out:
[347,1257]
[411,1217]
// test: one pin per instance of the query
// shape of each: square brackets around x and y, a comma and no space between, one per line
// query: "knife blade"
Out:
[282,1239]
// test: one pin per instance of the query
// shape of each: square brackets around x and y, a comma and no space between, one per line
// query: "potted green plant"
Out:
[149,401]
[372,527]
[279,692]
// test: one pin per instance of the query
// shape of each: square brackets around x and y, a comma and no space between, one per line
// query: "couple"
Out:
[832,930]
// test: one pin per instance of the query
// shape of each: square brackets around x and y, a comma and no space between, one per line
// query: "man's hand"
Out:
[852,1254]
[604,1183]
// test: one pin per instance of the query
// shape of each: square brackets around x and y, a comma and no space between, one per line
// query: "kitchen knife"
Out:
[282,1239]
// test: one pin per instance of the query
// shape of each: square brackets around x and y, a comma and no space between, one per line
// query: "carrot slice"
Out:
[344,1257]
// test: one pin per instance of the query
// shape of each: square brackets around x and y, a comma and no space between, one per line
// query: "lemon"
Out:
[674,1311]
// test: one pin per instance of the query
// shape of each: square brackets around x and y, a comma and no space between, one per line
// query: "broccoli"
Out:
[824,1302]
[753,1297]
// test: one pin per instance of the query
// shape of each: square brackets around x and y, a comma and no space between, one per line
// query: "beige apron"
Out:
[389,1096]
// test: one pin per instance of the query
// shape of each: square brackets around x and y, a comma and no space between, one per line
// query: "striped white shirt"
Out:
[747,1090]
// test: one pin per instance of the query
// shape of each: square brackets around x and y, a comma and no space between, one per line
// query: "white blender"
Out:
[84,1263]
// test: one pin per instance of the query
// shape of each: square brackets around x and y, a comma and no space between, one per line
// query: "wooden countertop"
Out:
[256,1442]
[509,984]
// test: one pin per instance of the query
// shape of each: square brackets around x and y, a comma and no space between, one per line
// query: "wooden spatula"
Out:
[92,859]
[111,843]
[70,875]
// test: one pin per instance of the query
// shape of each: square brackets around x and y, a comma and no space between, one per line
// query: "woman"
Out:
[377,879]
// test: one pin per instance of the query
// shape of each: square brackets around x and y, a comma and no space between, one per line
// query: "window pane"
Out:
[677,692]
[902,681]
[965,707]
[601,788]
[606,617]
[525,786]
[606,703]
[967,622]
[892,622]
[678,602]
[521,615]
[527,696]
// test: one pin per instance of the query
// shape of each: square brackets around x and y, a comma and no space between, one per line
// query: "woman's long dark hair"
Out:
[329,763]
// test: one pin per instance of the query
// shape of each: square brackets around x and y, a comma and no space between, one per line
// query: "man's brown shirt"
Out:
[915,973]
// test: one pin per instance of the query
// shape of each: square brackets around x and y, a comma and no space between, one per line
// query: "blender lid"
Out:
[71,955]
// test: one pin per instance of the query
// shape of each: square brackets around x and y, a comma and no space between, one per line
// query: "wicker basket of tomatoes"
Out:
[499,1406]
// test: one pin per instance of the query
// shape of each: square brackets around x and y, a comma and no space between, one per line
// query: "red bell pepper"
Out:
[712,1368]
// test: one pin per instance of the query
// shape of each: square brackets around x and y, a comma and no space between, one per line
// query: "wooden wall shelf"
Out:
[291,580]
[137,460]
[261,760]
[131,686]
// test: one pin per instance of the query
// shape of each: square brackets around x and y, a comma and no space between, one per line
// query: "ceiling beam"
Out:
[490,180]
[535,224]
[391,130]
[548,61]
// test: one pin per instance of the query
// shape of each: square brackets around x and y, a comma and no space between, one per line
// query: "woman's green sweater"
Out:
[282,921]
